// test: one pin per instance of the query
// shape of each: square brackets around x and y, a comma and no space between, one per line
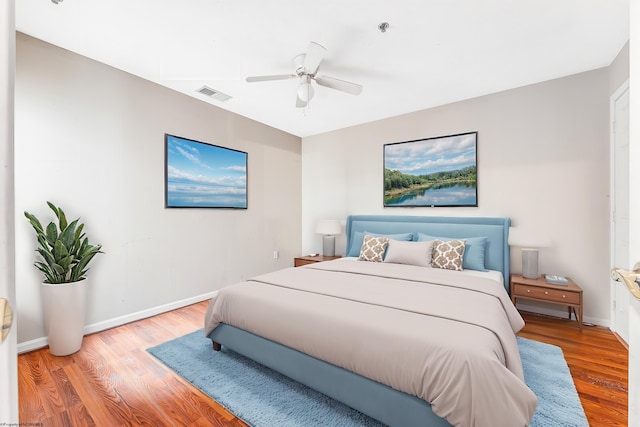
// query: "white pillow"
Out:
[413,253]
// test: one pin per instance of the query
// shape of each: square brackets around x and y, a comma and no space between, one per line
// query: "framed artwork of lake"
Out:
[434,172]
[201,175]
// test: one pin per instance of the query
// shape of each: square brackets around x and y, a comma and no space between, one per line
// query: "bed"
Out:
[406,344]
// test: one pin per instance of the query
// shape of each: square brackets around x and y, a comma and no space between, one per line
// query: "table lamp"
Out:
[328,228]
[529,244]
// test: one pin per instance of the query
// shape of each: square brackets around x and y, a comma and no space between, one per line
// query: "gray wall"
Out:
[90,138]
[543,160]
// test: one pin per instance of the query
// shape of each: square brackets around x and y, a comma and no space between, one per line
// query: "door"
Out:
[620,207]
[8,359]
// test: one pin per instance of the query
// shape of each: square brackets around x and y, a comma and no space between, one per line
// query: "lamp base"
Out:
[530,263]
[329,245]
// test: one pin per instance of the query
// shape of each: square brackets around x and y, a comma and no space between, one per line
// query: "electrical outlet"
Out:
[276,255]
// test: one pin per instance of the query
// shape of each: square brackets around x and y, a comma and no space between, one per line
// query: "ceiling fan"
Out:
[306,67]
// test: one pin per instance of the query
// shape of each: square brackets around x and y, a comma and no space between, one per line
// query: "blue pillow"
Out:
[474,250]
[358,238]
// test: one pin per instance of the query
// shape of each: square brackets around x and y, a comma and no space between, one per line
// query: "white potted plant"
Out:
[65,253]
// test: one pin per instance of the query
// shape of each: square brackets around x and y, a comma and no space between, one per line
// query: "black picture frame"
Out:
[202,175]
[432,172]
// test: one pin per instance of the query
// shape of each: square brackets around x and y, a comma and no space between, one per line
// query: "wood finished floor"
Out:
[113,381]
[598,363]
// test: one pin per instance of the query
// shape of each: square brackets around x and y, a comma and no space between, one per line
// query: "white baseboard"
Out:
[562,313]
[118,321]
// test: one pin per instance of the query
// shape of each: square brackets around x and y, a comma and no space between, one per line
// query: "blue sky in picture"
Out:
[431,155]
[204,175]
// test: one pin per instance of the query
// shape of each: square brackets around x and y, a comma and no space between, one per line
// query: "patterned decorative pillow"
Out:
[373,248]
[448,255]
[474,250]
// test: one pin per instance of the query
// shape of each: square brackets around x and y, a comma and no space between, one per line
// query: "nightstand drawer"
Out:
[547,294]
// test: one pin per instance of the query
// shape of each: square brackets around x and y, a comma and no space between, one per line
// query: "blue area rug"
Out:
[263,397]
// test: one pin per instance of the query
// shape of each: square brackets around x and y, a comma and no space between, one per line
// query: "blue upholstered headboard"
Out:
[495,229]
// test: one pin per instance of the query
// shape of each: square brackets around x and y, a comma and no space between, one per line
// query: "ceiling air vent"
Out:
[212,93]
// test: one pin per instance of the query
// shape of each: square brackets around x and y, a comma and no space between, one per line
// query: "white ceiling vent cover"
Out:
[212,93]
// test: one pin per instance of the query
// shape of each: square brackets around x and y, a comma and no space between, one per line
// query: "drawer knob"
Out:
[528,290]
[546,292]
[564,296]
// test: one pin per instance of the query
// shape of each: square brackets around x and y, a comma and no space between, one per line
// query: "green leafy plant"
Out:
[64,250]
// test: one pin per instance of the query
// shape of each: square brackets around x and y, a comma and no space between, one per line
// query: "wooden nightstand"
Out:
[539,290]
[304,260]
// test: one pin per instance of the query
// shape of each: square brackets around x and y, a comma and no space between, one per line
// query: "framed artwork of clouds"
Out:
[434,172]
[200,175]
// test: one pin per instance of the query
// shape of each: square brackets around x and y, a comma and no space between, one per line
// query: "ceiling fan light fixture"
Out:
[305,90]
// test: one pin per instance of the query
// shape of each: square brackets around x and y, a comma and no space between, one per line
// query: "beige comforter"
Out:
[436,334]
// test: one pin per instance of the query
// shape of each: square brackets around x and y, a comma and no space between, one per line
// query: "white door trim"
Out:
[624,87]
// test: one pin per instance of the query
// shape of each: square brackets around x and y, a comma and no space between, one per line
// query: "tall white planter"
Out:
[65,307]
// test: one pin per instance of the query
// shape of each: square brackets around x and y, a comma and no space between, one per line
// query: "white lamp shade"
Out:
[329,227]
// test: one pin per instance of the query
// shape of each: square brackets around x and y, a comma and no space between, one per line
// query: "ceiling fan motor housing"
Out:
[298,64]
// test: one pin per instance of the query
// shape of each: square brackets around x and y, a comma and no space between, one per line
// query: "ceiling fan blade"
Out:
[269,78]
[341,85]
[300,103]
[315,54]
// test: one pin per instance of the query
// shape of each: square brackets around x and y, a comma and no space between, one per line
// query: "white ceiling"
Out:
[435,51]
